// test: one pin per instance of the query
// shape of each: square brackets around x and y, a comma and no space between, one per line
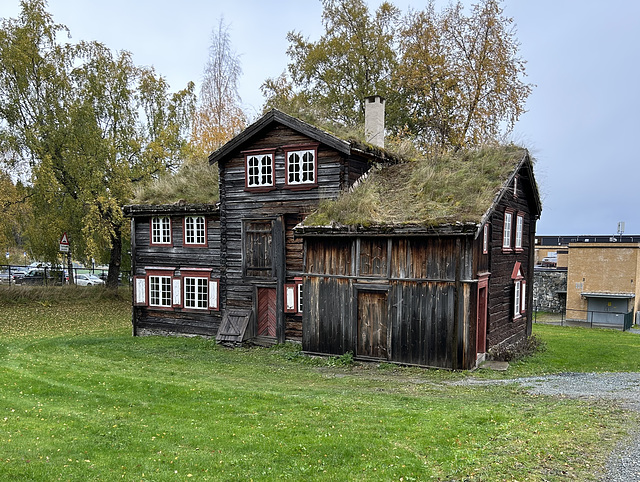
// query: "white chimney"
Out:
[374,120]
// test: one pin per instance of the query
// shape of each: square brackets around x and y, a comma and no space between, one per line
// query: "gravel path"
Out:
[624,465]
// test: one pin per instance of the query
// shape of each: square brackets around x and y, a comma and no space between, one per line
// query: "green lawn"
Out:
[80,399]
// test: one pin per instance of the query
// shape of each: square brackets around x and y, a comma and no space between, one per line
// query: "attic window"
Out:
[160,230]
[259,169]
[195,230]
[507,228]
[301,165]
[519,230]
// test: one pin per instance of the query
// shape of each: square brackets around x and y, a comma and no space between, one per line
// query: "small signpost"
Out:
[64,243]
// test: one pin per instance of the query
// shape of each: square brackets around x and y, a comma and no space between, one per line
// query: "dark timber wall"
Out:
[285,207]
[420,288]
[502,327]
[148,320]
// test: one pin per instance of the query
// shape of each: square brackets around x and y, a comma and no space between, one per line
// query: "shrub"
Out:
[516,351]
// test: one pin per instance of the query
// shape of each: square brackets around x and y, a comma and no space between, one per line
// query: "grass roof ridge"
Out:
[450,188]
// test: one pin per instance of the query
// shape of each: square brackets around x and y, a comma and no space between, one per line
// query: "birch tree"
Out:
[90,124]
[219,115]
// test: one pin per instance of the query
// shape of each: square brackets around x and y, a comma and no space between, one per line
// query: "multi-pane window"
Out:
[160,291]
[195,230]
[301,167]
[196,293]
[519,229]
[259,170]
[517,300]
[299,286]
[160,230]
[506,234]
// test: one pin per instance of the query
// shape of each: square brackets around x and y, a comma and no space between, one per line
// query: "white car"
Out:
[88,280]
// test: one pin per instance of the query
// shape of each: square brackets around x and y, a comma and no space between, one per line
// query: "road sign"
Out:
[64,243]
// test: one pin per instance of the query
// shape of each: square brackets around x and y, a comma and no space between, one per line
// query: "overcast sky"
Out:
[582,55]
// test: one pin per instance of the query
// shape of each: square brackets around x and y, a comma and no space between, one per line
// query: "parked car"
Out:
[6,278]
[88,280]
[18,274]
[40,276]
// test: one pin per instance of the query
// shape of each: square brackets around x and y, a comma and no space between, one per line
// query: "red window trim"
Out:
[264,188]
[170,243]
[301,147]
[202,273]
[165,272]
[509,248]
[518,277]
[519,215]
[517,314]
[296,302]
[184,232]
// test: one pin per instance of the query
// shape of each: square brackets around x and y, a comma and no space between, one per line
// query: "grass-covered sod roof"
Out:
[193,183]
[445,189]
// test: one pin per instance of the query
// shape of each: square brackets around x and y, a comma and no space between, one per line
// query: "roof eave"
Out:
[392,230]
[133,210]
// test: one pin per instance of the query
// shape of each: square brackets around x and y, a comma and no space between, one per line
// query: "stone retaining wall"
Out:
[547,282]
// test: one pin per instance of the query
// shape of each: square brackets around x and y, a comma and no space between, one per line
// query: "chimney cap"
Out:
[372,98]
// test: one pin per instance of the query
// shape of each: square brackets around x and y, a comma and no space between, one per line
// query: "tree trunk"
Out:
[115,258]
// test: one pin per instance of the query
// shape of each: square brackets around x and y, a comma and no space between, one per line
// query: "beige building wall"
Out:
[601,268]
[544,251]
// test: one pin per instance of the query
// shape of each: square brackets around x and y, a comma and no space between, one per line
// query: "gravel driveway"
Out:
[624,465]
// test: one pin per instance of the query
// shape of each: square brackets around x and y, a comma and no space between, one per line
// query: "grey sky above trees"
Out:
[582,57]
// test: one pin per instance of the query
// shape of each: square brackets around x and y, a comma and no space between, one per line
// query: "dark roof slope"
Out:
[453,189]
[346,147]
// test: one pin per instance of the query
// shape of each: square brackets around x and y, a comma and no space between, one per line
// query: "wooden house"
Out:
[436,288]
[271,176]
[175,258]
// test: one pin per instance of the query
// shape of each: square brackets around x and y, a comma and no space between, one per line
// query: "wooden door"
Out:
[481,328]
[372,324]
[267,312]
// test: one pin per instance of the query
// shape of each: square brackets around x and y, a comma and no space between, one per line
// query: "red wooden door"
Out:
[481,333]
[372,324]
[267,312]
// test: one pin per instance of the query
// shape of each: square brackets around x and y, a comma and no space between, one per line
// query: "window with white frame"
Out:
[519,230]
[519,290]
[160,230]
[160,291]
[196,293]
[301,167]
[517,297]
[506,234]
[195,231]
[293,297]
[259,170]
